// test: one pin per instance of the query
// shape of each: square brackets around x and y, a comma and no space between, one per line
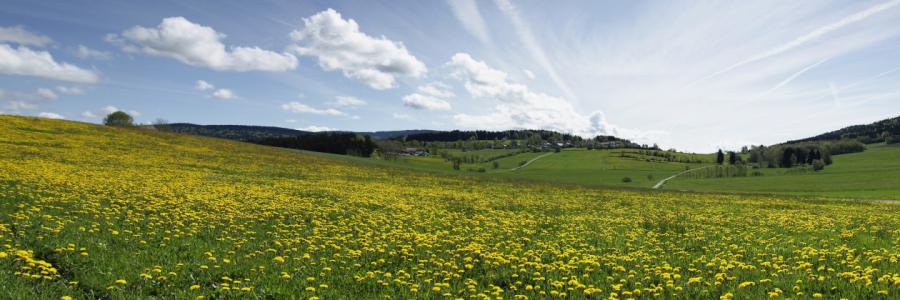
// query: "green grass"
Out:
[583,166]
[872,174]
[576,165]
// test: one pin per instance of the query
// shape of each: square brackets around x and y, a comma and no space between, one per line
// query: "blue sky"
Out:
[690,75]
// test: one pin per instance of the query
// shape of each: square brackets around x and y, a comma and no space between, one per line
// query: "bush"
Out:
[496,165]
[522,163]
[481,170]
[650,177]
[818,164]
[757,173]
[118,118]
[626,179]
[890,140]
[557,149]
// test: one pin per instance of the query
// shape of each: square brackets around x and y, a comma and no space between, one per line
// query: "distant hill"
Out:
[871,133]
[248,132]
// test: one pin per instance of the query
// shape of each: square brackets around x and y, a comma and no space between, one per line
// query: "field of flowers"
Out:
[93,212]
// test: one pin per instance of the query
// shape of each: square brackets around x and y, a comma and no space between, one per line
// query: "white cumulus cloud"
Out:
[425,102]
[24,61]
[85,53]
[134,113]
[223,94]
[41,95]
[297,107]
[108,110]
[69,90]
[347,101]
[520,108]
[50,115]
[88,114]
[203,85]
[290,121]
[16,107]
[316,128]
[437,89]
[338,44]
[198,45]
[18,35]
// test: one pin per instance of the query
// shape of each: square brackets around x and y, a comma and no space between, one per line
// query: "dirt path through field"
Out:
[519,167]
[661,182]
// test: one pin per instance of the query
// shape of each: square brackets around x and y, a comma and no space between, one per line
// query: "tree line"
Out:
[336,143]
[887,130]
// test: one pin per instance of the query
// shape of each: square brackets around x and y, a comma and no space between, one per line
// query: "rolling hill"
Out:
[249,132]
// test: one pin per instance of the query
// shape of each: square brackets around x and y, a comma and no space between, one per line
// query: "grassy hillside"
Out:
[93,212]
[571,165]
[873,174]
[246,132]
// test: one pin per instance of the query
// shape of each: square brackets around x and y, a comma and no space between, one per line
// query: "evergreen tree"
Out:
[786,157]
[731,158]
[720,158]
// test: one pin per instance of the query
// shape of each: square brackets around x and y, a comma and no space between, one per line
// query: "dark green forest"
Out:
[247,132]
[887,130]
[335,142]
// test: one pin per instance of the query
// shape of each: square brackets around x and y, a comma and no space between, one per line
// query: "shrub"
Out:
[496,165]
[626,179]
[757,173]
[818,164]
[890,140]
[522,163]
[481,170]
[650,177]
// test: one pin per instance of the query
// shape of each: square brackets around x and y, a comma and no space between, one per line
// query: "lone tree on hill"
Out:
[731,158]
[119,118]
[720,158]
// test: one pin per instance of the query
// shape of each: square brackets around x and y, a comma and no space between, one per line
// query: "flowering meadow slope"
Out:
[94,212]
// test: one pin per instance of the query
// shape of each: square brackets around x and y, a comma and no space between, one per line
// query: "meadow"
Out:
[94,212]
[571,165]
[871,175]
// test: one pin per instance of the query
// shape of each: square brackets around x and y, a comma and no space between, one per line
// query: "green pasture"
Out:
[582,166]
[873,174]
[575,165]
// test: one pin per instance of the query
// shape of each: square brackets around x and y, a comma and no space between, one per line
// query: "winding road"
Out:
[519,167]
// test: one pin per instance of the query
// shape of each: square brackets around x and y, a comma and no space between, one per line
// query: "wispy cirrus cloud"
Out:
[806,38]
[466,11]
[531,44]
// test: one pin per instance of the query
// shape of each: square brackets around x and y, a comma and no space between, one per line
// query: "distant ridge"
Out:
[870,133]
[250,132]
